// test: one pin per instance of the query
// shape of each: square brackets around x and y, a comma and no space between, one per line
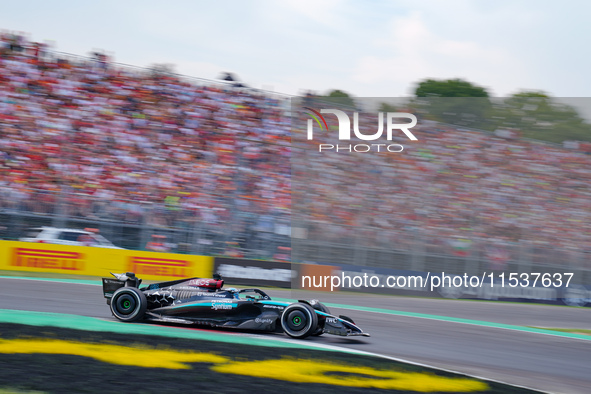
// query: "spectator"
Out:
[134,146]
[158,244]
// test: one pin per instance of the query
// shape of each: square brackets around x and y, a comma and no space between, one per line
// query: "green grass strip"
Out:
[573,330]
[93,324]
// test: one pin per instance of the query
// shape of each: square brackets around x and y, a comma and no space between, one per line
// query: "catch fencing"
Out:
[131,224]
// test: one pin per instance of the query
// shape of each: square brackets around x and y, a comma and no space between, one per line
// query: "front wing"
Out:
[337,326]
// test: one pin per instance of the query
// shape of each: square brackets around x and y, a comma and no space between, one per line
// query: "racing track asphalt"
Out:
[544,362]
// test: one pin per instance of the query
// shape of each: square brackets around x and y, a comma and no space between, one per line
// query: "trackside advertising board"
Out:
[272,273]
[92,261]
[254,272]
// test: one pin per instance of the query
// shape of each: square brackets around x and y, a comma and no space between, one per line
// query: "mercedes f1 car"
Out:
[203,302]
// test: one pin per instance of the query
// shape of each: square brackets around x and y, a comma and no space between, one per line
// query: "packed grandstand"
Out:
[166,151]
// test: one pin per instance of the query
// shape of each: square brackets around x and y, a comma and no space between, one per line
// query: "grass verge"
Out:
[571,330]
[55,360]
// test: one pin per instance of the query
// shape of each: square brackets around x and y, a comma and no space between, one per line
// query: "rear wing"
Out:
[110,285]
[121,280]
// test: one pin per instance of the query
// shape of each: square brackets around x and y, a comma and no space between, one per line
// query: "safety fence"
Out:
[132,224]
[551,286]
[272,235]
[417,250]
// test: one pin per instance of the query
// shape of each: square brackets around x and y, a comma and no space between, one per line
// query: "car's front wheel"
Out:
[320,307]
[129,304]
[299,320]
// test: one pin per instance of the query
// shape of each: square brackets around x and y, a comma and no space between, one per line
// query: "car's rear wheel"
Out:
[129,304]
[299,320]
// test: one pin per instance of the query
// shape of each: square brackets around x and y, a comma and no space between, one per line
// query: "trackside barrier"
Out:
[93,261]
[254,272]
[272,273]
[436,284]
[572,295]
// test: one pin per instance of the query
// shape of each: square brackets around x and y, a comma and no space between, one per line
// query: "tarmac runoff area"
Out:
[494,349]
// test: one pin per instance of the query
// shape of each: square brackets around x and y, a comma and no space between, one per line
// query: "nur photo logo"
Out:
[392,121]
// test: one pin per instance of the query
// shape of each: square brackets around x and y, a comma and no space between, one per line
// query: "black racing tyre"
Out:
[299,320]
[347,318]
[319,306]
[129,304]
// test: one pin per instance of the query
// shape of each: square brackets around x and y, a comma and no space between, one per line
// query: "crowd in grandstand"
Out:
[132,138]
[455,185]
[153,147]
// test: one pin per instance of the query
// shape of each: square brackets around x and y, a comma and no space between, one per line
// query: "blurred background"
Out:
[206,167]
[139,152]
[153,159]
[491,185]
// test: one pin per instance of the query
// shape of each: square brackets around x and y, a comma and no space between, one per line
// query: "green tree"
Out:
[539,116]
[453,101]
[339,98]
[449,88]
[338,93]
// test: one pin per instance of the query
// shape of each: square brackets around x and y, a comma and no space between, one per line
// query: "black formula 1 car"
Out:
[203,302]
